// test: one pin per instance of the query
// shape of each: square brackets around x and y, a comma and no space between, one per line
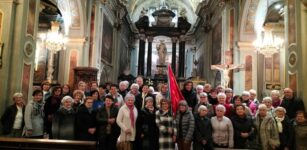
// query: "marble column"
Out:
[181,57]
[174,41]
[141,59]
[149,54]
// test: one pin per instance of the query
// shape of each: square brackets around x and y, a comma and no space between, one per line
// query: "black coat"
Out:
[286,138]
[139,101]
[190,97]
[51,106]
[84,121]
[102,122]
[149,129]
[63,125]
[202,131]
[292,106]
[8,118]
[242,125]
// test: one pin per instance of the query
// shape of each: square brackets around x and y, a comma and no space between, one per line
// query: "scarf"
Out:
[131,115]
[279,124]
[38,108]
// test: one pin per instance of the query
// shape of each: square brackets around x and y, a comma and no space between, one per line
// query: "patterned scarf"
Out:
[279,124]
[38,108]
[131,115]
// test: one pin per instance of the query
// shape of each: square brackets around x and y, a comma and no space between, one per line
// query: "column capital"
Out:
[142,37]
[174,39]
[149,38]
[182,38]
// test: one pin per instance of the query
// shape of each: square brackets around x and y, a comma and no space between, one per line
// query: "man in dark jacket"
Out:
[140,98]
[291,103]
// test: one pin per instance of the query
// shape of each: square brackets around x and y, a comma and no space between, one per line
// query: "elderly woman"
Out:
[300,128]
[13,118]
[134,89]
[85,123]
[126,120]
[63,121]
[164,121]
[243,127]
[275,95]
[203,130]
[149,129]
[203,101]
[221,97]
[222,133]
[285,129]
[199,89]
[268,103]
[162,94]
[34,116]
[108,130]
[185,125]
[267,134]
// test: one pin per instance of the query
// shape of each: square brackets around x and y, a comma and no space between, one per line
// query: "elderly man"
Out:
[291,103]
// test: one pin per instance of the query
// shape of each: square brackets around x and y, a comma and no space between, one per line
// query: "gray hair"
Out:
[149,98]
[279,108]
[267,99]
[262,106]
[221,94]
[129,96]
[203,94]
[246,93]
[202,107]
[252,91]
[220,107]
[199,87]
[275,92]
[134,85]
[228,90]
[67,98]
[18,94]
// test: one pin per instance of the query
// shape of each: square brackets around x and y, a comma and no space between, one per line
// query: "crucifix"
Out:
[225,68]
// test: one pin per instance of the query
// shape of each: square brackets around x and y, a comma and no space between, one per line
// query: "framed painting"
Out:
[107,41]
[217,44]
[31,17]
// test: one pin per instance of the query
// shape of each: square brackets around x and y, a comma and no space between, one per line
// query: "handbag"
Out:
[124,145]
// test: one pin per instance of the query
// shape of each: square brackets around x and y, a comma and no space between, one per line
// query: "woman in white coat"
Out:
[126,120]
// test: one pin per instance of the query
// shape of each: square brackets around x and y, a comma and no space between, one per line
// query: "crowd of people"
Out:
[207,118]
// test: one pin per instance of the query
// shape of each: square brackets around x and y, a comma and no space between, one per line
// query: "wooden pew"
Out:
[44,144]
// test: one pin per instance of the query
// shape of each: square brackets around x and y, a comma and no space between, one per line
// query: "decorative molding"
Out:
[304,2]
[245,46]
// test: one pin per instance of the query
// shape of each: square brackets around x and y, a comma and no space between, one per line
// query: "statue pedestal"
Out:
[161,69]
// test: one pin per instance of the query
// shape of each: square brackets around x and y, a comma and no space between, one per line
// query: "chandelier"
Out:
[54,41]
[268,43]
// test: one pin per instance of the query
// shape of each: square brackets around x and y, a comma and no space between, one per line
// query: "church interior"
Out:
[239,44]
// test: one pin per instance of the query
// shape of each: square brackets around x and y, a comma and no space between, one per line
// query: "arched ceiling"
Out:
[136,6]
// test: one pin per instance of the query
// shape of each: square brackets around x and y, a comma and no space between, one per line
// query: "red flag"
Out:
[174,91]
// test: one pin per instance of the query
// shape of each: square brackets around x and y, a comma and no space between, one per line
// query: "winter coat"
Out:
[8,118]
[149,129]
[83,121]
[300,136]
[292,106]
[242,125]
[185,128]
[164,121]
[63,124]
[190,97]
[124,122]
[266,132]
[286,138]
[34,118]
[203,131]
[102,122]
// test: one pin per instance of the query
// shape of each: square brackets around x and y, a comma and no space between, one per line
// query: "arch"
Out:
[73,15]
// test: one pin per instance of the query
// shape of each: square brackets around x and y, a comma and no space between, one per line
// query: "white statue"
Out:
[225,70]
[162,52]
[143,12]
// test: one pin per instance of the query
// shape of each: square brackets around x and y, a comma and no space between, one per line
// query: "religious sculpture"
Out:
[162,52]
[225,70]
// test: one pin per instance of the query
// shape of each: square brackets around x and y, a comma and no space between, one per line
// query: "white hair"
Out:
[267,99]
[221,94]
[246,93]
[129,96]
[252,91]
[199,87]
[262,106]
[18,94]
[275,92]
[220,107]
[202,107]
[67,98]
[134,85]
[279,108]
[203,94]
